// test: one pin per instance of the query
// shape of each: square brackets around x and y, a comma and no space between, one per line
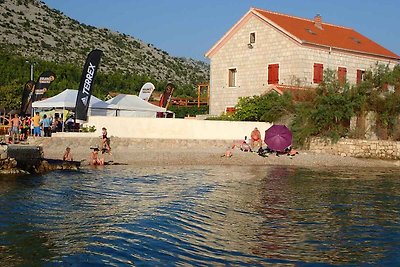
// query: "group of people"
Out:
[255,144]
[95,158]
[20,128]
[247,145]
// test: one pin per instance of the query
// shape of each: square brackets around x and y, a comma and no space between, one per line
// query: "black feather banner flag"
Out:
[43,84]
[27,94]
[86,84]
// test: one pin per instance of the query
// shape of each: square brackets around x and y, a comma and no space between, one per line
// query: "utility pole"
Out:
[32,65]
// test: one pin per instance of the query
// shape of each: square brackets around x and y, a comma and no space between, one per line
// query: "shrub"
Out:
[267,107]
[88,129]
[181,112]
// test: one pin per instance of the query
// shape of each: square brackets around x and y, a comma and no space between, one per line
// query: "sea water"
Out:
[197,216]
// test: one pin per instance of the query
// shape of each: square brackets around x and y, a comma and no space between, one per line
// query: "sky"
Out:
[189,28]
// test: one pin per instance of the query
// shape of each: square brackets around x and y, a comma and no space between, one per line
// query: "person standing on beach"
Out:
[105,141]
[24,130]
[14,130]
[36,124]
[46,122]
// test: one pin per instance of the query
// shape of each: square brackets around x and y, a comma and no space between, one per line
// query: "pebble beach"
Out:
[153,152]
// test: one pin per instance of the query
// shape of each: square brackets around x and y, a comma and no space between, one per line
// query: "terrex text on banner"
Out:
[86,84]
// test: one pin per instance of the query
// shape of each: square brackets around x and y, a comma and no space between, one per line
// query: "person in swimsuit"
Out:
[94,158]
[255,140]
[68,155]
[14,130]
[105,141]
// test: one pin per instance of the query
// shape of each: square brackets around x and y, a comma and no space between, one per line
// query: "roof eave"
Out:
[350,50]
[259,15]
[221,41]
[244,19]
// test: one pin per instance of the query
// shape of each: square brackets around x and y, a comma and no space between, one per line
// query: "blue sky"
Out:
[190,28]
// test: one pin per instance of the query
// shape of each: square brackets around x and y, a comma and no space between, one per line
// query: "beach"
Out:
[168,152]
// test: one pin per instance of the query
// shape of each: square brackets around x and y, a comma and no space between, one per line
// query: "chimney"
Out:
[318,21]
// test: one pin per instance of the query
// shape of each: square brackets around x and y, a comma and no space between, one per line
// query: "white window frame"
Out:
[232,71]
[364,71]
[250,39]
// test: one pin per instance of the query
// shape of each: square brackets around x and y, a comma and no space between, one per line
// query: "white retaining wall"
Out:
[162,128]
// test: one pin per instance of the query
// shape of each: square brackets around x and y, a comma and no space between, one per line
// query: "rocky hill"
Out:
[33,30]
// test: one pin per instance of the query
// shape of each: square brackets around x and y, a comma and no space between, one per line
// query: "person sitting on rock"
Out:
[67,155]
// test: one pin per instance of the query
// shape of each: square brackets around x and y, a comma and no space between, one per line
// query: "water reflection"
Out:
[327,220]
[200,216]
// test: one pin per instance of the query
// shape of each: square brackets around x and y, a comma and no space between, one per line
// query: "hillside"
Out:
[33,30]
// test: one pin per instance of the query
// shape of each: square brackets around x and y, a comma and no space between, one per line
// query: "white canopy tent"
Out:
[67,100]
[122,105]
[133,106]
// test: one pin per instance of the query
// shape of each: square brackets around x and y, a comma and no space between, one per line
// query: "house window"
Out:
[252,38]
[342,75]
[232,78]
[273,73]
[318,72]
[360,76]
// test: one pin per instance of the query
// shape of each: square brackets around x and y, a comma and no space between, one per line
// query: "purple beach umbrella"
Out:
[278,137]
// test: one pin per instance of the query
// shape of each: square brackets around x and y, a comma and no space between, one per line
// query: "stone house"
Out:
[266,50]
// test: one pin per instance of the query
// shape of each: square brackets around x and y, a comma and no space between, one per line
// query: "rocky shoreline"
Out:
[28,159]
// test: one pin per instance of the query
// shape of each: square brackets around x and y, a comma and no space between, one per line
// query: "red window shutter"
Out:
[359,76]
[318,72]
[273,74]
[342,75]
[230,110]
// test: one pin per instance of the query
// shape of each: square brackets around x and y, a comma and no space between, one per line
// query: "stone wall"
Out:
[7,165]
[378,149]
[3,152]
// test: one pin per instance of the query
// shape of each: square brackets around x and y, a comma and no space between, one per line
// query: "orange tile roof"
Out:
[305,31]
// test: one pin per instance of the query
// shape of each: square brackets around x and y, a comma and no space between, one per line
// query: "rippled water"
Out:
[195,216]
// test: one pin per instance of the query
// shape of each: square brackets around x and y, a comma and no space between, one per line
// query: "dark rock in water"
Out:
[25,159]
[56,164]
[12,171]
[27,156]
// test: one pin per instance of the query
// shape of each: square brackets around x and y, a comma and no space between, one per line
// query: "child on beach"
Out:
[105,141]
[67,155]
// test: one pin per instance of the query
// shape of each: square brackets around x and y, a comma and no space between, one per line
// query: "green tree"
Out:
[328,114]
[10,97]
